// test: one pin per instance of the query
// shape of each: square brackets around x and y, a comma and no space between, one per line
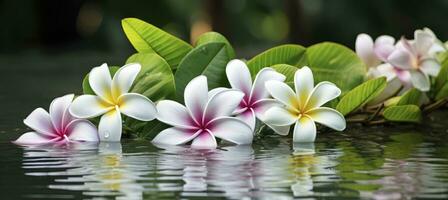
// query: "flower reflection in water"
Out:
[97,170]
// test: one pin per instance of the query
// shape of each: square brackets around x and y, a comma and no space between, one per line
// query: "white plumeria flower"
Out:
[256,99]
[112,99]
[58,126]
[418,58]
[303,107]
[204,117]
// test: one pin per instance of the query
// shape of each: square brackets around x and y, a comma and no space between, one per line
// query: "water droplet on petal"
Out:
[106,134]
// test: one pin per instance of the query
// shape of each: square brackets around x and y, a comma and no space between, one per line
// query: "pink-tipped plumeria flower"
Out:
[256,99]
[303,107]
[112,99]
[373,53]
[58,126]
[204,117]
[418,58]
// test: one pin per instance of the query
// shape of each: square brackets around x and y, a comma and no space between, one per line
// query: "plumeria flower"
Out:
[303,107]
[112,99]
[417,58]
[373,53]
[58,126]
[256,98]
[204,117]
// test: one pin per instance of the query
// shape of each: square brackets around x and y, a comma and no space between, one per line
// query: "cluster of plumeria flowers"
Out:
[405,64]
[230,114]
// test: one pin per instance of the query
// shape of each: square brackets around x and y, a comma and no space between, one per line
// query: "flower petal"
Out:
[328,117]
[304,130]
[82,130]
[222,104]
[384,46]
[423,42]
[175,136]
[420,80]
[59,114]
[279,116]
[101,82]
[33,138]
[109,128]
[281,130]
[123,79]
[239,76]
[430,67]
[40,121]
[364,49]
[282,93]
[323,92]
[261,106]
[174,114]
[232,130]
[196,96]
[259,90]
[204,140]
[401,58]
[137,106]
[216,91]
[304,83]
[386,70]
[248,117]
[88,106]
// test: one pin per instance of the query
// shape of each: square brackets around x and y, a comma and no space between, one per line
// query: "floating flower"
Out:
[58,126]
[418,58]
[303,107]
[204,117]
[112,99]
[256,98]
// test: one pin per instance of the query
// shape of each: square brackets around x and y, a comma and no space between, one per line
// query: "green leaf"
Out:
[155,79]
[404,113]
[86,89]
[337,64]
[362,94]
[442,77]
[290,54]
[411,97]
[148,38]
[216,37]
[208,59]
[288,71]
[443,92]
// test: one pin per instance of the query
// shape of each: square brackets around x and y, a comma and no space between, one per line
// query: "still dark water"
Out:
[385,162]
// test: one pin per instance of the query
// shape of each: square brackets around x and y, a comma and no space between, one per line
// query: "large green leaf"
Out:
[290,54]
[443,92]
[155,79]
[216,37]
[288,71]
[336,63]
[148,38]
[86,89]
[442,77]
[361,95]
[411,97]
[208,59]
[404,113]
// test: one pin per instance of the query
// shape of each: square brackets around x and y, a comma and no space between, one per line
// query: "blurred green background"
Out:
[58,27]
